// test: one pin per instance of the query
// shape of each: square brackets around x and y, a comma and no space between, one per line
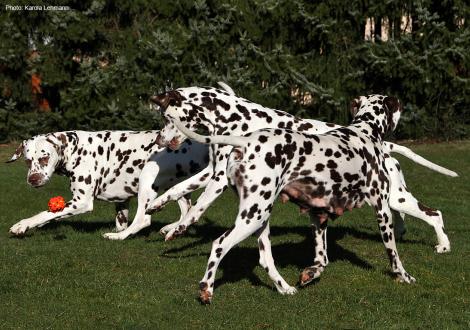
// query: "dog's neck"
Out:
[375,127]
[65,152]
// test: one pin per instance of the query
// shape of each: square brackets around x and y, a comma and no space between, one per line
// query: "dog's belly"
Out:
[118,188]
[308,194]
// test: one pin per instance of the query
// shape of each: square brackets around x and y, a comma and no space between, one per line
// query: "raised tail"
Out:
[418,159]
[236,141]
[226,87]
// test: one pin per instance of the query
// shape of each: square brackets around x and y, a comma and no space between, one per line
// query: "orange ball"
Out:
[56,204]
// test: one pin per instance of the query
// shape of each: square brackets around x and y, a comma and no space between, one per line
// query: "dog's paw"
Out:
[205,295]
[289,290]
[405,278]
[115,236]
[166,229]
[19,228]
[175,232]
[309,274]
[442,248]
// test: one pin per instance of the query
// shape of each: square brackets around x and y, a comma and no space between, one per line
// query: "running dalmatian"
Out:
[326,174]
[222,112]
[108,165]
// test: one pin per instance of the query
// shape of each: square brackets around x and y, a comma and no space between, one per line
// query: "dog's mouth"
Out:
[174,144]
[37,184]
[37,181]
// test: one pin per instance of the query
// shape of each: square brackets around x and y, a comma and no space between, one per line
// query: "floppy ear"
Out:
[392,103]
[354,107]
[18,153]
[59,142]
[161,100]
[169,98]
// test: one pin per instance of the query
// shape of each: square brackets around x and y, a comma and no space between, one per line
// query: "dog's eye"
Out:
[43,161]
[28,162]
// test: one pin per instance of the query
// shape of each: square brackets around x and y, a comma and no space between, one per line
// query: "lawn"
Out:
[65,275]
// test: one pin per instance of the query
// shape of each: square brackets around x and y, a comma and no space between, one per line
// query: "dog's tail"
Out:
[418,159]
[226,87]
[236,141]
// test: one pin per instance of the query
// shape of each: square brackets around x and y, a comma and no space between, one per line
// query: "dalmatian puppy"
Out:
[222,112]
[106,165]
[326,174]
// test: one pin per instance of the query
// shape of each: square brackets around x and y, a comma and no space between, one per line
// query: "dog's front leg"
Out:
[266,261]
[213,190]
[403,202]
[384,219]
[246,225]
[181,189]
[73,207]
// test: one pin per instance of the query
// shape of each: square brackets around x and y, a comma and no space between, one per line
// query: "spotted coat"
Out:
[326,174]
[105,165]
[222,112]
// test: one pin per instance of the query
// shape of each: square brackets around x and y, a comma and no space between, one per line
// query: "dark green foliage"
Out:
[100,62]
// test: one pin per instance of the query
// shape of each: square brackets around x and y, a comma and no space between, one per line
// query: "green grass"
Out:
[65,275]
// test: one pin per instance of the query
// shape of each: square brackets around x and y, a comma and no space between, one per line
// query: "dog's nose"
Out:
[35,178]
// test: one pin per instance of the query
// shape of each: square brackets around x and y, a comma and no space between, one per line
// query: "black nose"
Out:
[35,178]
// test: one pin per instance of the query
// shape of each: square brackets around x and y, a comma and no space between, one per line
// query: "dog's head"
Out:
[174,106]
[381,112]
[41,154]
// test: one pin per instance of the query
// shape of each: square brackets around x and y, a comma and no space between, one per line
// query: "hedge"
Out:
[100,61]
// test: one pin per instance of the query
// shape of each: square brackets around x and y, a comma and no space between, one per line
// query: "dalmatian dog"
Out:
[222,112]
[325,174]
[107,165]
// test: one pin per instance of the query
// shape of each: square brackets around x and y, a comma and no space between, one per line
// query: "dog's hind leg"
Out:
[147,192]
[122,215]
[401,200]
[408,204]
[320,253]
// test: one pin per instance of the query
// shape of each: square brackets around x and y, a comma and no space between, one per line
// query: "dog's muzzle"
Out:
[173,144]
[36,179]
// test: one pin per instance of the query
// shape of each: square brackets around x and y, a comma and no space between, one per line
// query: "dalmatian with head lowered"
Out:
[108,165]
[222,112]
[325,174]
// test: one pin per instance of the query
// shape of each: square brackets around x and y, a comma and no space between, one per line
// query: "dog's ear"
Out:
[58,141]
[162,100]
[393,104]
[354,107]
[18,153]
[169,98]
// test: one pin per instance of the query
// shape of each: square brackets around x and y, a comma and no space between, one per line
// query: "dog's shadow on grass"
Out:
[241,262]
[83,226]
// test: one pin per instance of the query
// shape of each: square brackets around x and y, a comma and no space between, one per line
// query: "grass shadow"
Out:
[240,262]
